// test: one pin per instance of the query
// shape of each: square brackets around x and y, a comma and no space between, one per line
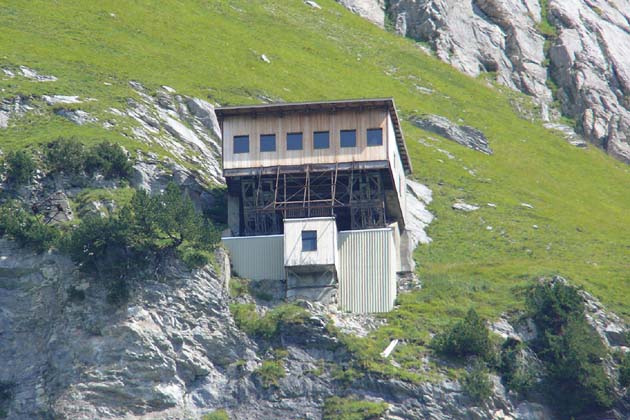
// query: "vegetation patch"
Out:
[270,324]
[570,349]
[352,408]
[476,383]
[270,372]
[468,337]
[216,415]
[27,229]
[69,156]
[18,167]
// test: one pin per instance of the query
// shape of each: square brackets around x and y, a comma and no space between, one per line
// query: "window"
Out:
[348,138]
[309,240]
[375,137]
[321,140]
[241,144]
[267,142]
[294,141]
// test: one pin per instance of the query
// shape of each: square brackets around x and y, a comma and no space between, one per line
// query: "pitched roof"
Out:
[289,107]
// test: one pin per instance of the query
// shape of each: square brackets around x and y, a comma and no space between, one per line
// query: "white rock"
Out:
[527,205]
[462,206]
[8,72]
[61,99]
[265,59]
[312,4]
[34,75]
[372,10]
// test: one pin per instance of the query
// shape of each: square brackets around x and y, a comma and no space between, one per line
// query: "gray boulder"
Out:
[462,134]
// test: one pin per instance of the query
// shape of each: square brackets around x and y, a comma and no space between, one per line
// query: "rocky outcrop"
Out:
[590,63]
[173,351]
[481,36]
[372,10]
[462,134]
[583,50]
[184,126]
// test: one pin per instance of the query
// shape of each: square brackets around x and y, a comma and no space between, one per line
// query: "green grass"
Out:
[211,49]
[352,409]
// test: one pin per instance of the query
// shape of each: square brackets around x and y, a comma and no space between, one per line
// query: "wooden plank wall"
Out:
[307,123]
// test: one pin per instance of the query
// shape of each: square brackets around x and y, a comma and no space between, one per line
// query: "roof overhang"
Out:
[281,108]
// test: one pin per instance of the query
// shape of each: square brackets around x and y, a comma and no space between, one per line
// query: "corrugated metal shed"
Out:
[367,270]
[257,257]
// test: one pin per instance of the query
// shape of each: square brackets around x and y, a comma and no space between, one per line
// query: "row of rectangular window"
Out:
[321,140]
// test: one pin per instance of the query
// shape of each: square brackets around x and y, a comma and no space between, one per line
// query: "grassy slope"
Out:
[211,49]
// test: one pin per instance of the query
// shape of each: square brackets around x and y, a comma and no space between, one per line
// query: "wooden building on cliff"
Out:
[316,198]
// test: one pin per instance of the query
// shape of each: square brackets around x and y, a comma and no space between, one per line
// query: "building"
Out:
[316,198]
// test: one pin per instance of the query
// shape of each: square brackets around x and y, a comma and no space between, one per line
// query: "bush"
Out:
[194,258]
[517,374]
[624,370]
[337,408]
[19,167]
[476,383]
[216,415]
[551,305]
[26,229]
[108,159]
[468,337]
[571,350]
[68,155]
[270,372]
[65,155]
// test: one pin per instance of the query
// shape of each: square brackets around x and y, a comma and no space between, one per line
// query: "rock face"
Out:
[590,62]
[174,352]
[372,10]
[481,35]
[588,57]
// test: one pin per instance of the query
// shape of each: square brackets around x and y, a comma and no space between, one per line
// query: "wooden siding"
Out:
[306,123]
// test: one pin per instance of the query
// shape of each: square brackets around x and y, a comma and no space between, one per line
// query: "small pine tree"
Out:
[19,167]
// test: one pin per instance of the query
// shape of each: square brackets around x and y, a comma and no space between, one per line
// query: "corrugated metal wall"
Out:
[257,257]
[367,270]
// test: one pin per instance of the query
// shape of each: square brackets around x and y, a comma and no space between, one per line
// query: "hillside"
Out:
[556,209]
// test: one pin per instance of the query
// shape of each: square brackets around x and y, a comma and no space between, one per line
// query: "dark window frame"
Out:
[236,150]
[315,135]
[380,139]
[309,240]
[267,136]
[341,138]
[291,148]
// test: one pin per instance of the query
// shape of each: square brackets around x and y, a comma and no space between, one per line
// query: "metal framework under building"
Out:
[356,197]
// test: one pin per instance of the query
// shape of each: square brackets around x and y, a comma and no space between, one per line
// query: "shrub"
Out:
[65,155]
[551,305]
[476,383]
[517,374]
[19,167]
[468,337]
[337,408]
[624,370]
[194,258]
[270,372]
[26,229]
[216,415]
[108,159]
[571,350]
